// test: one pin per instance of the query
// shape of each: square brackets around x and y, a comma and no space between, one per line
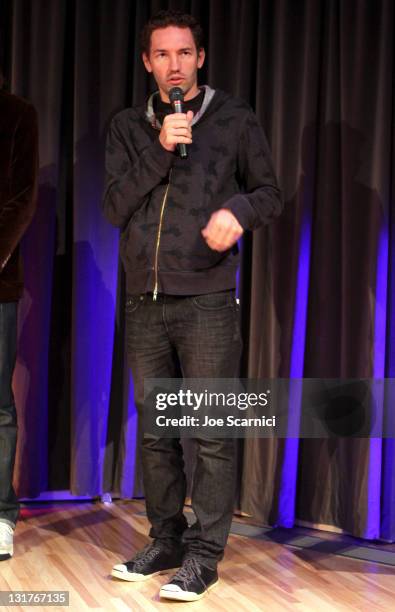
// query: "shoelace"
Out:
[188,571]
[148,553]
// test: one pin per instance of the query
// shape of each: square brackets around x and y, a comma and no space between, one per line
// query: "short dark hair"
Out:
[163,19]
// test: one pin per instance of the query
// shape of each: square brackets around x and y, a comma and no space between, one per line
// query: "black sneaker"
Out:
[154,559]
[192,581]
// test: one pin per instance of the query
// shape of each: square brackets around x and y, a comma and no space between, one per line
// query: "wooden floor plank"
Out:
[72,547]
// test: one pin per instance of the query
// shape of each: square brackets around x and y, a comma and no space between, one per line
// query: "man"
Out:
[18,180]
[180,222]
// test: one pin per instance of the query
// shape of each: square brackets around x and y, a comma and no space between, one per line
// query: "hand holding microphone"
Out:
[176,129]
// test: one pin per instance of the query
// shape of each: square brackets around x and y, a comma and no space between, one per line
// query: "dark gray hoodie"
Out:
[162,202]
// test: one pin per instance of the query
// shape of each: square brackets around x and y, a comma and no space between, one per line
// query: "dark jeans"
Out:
[9,506]
[198,337]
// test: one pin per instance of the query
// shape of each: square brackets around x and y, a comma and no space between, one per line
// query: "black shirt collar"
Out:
[161,109]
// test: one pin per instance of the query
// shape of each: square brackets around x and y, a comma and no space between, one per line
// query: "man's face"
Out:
[174,61]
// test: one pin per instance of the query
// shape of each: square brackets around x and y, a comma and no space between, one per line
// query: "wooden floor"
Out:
[72,547]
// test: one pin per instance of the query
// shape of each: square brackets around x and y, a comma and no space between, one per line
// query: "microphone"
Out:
[176,97]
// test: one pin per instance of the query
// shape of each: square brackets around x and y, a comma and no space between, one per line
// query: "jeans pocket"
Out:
[214,301]
[132,303]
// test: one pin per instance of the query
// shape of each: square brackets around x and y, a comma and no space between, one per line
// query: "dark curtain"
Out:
[317,288]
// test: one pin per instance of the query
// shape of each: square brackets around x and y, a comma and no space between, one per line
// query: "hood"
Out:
[212,99]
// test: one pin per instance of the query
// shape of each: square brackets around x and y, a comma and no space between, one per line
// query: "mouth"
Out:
[175,80]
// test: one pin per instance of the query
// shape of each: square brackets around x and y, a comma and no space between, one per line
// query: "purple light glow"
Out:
[286,508]
[372,529]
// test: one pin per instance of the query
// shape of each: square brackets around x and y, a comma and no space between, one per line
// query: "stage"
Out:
[72,547]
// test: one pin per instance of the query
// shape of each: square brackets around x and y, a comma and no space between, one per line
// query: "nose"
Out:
[174,62]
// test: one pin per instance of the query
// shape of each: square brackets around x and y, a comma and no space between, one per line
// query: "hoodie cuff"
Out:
[158,158]
[242,210]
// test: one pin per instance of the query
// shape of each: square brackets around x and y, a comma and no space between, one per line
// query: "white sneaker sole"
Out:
[133,577]
[184,595]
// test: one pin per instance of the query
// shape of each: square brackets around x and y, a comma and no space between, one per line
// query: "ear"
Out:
[146,62]
[201,56]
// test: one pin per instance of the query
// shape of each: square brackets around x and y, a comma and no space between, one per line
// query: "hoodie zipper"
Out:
[162,210]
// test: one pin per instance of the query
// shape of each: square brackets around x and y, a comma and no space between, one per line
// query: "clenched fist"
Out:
[176,128]
[222,231]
